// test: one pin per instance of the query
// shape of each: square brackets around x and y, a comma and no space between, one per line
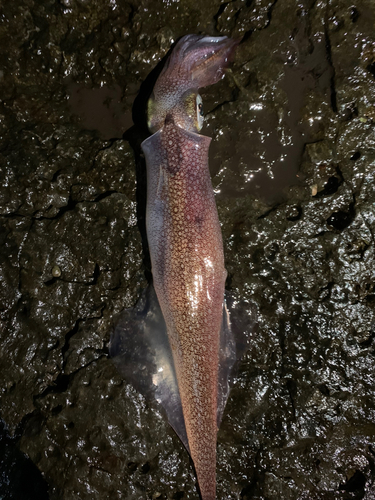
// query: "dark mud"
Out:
[293,166]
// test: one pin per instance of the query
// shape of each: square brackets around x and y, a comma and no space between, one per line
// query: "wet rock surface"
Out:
[293,167]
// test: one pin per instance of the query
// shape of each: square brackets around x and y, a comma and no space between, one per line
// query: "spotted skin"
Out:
[186,244]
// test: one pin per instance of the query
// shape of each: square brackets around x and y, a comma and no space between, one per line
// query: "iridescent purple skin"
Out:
[185,239]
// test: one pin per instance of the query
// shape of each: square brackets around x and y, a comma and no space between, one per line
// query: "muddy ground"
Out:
[292,163]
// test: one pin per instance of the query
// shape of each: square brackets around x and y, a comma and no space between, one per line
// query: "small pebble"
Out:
[56,272]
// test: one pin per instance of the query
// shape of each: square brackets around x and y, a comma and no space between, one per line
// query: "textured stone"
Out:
[292,160]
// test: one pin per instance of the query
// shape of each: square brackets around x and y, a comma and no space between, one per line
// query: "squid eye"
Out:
[200,116]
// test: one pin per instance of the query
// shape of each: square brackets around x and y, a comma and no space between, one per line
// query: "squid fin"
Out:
[235,334]
[140,349]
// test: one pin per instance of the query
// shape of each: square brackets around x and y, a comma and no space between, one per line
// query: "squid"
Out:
[176,345]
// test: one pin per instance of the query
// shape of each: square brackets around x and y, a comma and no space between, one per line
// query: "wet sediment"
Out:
[292,162]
